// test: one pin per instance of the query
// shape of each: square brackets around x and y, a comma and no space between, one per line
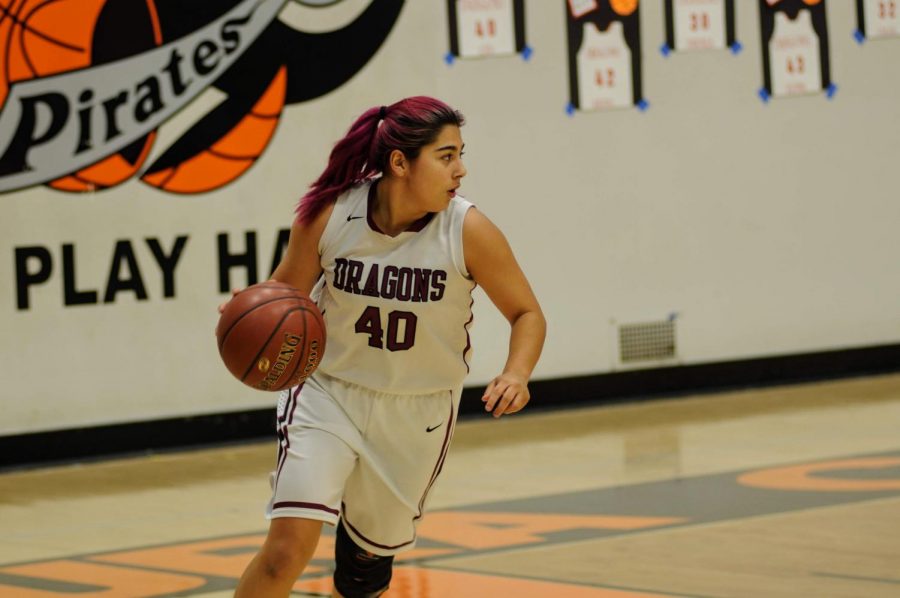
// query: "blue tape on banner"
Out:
[570,109]
[859,36]
[449,58]
[764,95]
[736,48]
[665,50]
[830,91]
[673,316]
[527,52]
[643,105]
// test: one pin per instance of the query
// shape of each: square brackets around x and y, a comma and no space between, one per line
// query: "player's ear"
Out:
[397,163]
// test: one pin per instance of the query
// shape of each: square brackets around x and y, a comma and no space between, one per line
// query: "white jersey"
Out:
[794,60]
[396,309]
[604,68]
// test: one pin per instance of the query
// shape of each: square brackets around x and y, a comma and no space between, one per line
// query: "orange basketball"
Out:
[623,7]
[271,336]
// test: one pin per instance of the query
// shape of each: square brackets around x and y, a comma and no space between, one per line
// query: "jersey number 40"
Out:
[370,323]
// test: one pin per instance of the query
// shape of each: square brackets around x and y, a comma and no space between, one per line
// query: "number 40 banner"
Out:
[481,28]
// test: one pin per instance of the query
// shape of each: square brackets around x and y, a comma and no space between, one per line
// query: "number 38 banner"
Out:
[795,48]
[604,54]
[486,27]
[878,19]
[700,25]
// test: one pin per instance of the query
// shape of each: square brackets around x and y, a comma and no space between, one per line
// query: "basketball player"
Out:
[393,259]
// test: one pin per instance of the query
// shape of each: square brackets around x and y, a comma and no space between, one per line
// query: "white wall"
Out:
[770,229]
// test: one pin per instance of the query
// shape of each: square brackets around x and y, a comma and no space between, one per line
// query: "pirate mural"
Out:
[86,84]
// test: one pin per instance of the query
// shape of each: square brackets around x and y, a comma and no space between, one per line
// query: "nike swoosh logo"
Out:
[433,428]
[349,218]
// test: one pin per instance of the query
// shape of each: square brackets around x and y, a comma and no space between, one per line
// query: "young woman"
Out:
[392,261]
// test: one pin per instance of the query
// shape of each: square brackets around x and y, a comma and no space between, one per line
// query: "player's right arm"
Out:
[300,266]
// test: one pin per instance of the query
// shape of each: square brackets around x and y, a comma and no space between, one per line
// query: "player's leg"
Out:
[289,546]
[406,442]
[359,573]
[307,485]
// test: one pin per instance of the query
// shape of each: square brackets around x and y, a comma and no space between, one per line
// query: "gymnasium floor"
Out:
[790,491]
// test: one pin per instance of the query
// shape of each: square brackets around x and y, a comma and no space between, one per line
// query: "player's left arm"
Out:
[491,263]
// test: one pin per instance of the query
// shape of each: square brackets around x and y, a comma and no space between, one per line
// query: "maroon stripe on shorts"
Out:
[296,397]
[291,396]
[284,443]
[440,463]
[304,505]
[382,546]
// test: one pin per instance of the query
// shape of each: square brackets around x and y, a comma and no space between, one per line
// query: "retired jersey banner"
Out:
[795,48]
[480,28]
[604,54]
[877,19]
[699,25]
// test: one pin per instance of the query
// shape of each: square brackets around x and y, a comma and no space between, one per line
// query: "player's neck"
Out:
[394,210]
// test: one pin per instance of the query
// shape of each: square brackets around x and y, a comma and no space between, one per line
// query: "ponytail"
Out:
[408,126]
[348,165]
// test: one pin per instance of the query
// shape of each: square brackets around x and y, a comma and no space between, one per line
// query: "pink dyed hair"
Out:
[408,126]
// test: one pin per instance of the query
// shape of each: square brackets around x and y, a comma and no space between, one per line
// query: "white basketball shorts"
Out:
[363,455]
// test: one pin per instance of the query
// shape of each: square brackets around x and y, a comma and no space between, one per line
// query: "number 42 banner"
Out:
[795,48]
[604,55]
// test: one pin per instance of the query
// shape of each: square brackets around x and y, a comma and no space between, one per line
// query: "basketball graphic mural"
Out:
[85,84]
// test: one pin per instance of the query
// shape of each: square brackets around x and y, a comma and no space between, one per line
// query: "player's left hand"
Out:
[507,393]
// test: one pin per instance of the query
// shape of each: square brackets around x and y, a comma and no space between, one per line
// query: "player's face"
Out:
[436,173]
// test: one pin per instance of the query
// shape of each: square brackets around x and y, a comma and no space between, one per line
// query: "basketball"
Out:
[271,336]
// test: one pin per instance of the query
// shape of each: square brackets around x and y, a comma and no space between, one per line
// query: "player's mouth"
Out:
[452,192]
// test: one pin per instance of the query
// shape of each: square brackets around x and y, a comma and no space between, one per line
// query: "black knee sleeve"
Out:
[359,573]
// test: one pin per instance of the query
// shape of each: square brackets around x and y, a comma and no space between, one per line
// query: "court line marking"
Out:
[856,577]
[671,529]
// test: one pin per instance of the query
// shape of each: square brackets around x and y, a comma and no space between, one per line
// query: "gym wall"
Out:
[732,227]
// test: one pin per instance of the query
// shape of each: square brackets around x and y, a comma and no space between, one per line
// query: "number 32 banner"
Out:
[795,48]
[486,28]
[604,55]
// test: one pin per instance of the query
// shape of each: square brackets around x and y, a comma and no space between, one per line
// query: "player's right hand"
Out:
[222,305]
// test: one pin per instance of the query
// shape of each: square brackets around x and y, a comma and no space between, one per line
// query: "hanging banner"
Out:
[877,19]
[480,28]
[604,55]
[699,25]
[795,48]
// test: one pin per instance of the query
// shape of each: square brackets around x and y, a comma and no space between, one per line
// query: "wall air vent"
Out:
[647,341]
